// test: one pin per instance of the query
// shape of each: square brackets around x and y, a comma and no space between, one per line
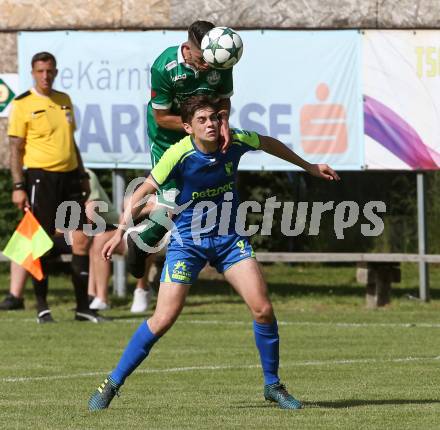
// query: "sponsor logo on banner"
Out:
[6,95]
[401,99]
[323,125]
[8,90]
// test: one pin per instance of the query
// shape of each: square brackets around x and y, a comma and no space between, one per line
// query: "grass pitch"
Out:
[353,368]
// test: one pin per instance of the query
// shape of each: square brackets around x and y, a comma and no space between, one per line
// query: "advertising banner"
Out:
[402,99]
[107,77]
[301,87]
[8,91]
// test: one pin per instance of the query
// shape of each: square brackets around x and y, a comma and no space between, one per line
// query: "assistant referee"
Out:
[46,170]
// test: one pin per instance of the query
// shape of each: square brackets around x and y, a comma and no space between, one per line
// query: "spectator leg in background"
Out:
[80,269]
[19,277]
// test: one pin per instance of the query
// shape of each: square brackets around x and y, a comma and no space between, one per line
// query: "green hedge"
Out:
[9,215]
[397,190]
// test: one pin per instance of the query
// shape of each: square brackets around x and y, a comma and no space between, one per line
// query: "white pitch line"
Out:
[224,367]
[314,323]
[249,323]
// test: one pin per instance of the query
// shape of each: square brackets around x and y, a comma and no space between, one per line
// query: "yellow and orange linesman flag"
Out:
[28,243]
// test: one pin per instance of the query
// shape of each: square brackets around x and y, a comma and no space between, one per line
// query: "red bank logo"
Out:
[323,125]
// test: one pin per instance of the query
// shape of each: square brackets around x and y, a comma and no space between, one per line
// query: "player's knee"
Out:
[264,313]
[160,324]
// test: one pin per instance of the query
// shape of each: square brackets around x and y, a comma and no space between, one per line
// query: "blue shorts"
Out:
[184,262]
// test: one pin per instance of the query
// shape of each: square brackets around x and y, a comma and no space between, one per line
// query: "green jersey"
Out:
[173,81]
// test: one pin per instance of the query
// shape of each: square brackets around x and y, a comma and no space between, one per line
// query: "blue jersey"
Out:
[207,181]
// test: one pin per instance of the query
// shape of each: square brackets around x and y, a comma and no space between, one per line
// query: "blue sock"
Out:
[268,344]
[135,352]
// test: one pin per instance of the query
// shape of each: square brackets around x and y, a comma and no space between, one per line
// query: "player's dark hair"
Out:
[197,30]
[191,105]
[43,56]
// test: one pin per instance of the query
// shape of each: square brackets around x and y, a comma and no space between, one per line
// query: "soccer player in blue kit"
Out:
[207,175]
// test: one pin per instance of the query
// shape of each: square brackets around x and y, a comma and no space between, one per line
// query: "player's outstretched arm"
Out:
[278,149]
[166,119]
[132,210]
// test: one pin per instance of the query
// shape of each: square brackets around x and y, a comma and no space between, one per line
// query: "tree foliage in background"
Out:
[396,189]
[9,215]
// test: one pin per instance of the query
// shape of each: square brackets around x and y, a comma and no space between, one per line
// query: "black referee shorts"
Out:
[47,190]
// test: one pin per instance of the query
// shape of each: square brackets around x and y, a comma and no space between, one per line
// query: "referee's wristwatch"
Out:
[19,186]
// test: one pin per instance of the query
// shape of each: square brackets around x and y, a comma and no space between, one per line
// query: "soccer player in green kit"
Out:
[178,73]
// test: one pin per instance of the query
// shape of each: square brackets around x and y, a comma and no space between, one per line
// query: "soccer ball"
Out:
[221,47]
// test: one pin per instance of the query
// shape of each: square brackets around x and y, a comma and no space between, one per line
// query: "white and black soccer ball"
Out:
[221,47]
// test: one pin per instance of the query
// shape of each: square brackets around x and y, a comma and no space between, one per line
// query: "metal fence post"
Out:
[422,238]
[119,271]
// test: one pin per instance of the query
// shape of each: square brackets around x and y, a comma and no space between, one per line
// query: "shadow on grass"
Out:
[342,404]
[219,287]
[130,316]
[206,288]
[352,403]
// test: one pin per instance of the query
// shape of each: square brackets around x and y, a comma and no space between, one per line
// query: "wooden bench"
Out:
[376,271]
[378,278]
